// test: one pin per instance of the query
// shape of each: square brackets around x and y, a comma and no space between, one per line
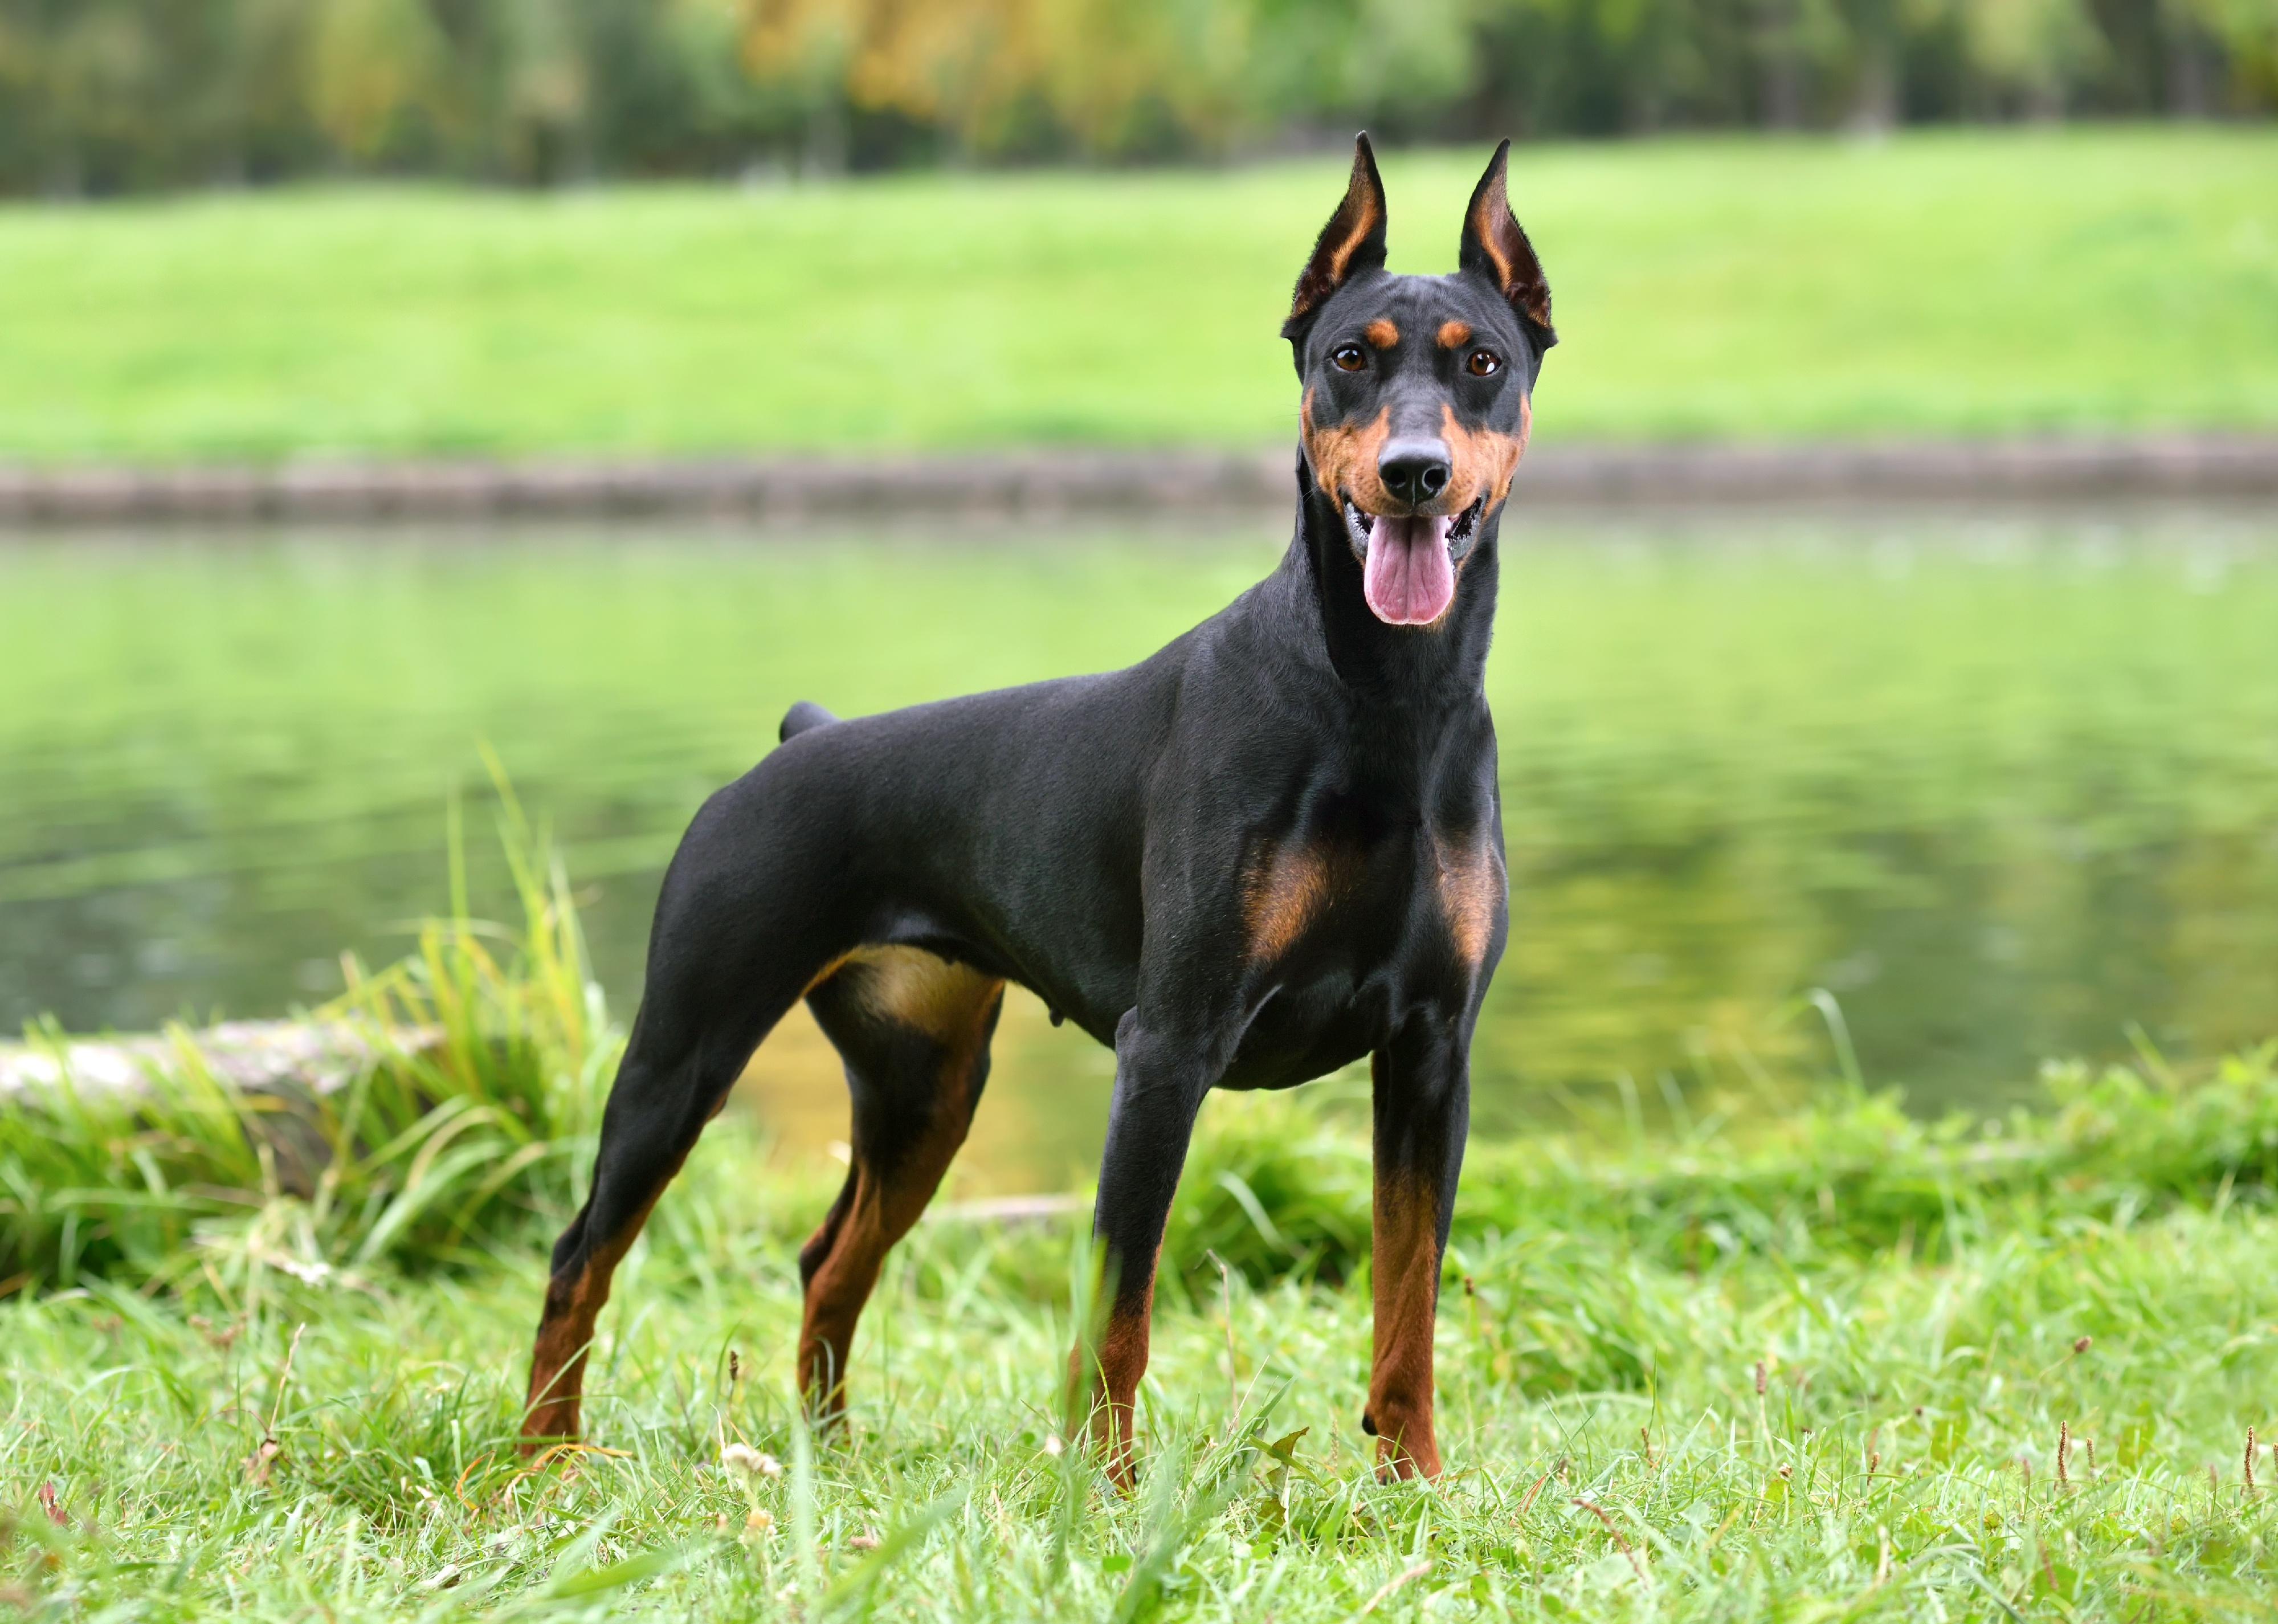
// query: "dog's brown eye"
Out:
[1485,363]
[1349,357]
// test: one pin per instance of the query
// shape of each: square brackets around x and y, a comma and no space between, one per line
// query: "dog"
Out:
[1273,847]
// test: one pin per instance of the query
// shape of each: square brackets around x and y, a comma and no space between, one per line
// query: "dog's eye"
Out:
[1485,363]
[1349,357]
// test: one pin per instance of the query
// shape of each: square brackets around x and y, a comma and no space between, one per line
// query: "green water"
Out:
[2006,785]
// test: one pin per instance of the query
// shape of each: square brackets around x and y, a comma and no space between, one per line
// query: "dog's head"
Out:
[1418,388]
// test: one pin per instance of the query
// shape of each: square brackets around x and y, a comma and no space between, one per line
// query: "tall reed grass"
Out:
[490,1046]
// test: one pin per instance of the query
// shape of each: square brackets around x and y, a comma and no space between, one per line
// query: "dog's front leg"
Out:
[1160,1086]
[1422,1111]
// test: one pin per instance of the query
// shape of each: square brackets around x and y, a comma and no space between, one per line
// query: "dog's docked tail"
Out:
[801,717]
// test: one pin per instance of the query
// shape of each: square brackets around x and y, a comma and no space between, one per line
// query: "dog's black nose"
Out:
[1414,471]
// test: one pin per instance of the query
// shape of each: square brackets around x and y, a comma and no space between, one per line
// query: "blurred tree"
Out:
[2246,32]
[2034,49]
[102,95]
[374,67]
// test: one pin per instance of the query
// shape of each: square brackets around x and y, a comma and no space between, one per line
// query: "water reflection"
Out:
[2005,784]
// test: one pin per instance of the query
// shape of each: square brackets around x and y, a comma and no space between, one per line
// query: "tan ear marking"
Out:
[1342,260]
[1496,244]
[1354,234]
[1489,210]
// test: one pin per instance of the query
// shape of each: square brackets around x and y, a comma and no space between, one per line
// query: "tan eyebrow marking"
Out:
[1454,335]
[1382,333]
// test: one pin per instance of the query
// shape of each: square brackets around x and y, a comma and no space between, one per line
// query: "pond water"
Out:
[2006,785]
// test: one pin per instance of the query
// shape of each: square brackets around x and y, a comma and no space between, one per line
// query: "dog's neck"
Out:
[1417,669]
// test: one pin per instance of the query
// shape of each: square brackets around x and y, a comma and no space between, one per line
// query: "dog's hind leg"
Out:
[913,1030]
[737,939]
[664,1095]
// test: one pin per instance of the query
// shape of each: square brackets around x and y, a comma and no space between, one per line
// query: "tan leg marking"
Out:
[952,1006]
[553,1405]
[1405,1281]
[1111,1385]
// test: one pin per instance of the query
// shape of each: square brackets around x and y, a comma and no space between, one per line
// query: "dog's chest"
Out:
[1421,906]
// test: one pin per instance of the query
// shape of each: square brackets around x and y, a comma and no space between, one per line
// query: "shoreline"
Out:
[1051,482]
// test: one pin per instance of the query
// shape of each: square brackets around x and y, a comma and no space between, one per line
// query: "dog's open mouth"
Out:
[1408,565]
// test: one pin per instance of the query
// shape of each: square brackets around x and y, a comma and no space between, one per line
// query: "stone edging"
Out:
[251,1057]
[1051,483]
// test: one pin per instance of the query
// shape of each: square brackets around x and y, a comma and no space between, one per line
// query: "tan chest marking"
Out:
[1287,890]
[1471,881]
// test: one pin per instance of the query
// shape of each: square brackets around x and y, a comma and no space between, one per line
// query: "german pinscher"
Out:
[1271,848]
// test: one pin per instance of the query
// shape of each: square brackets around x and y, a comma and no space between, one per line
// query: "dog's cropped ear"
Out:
[1351,242]
[1496,248]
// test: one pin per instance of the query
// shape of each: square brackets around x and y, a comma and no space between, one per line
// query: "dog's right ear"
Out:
[1351,242]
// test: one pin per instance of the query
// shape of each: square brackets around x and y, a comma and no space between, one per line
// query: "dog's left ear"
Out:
[1495,246]
[1351,242]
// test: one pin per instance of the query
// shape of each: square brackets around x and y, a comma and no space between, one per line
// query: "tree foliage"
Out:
[112,95]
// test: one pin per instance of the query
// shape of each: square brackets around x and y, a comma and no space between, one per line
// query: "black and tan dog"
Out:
[1271,848]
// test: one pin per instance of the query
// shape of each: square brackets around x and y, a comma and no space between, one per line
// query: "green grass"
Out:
[1813,1371]
[1957,282]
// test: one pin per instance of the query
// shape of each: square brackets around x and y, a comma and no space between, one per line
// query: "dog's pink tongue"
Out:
[1408,580]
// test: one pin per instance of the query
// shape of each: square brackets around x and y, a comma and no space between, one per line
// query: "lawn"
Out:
[1946,283]
[1849,1367]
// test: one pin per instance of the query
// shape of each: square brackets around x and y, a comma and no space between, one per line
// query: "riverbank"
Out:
[1110,483]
